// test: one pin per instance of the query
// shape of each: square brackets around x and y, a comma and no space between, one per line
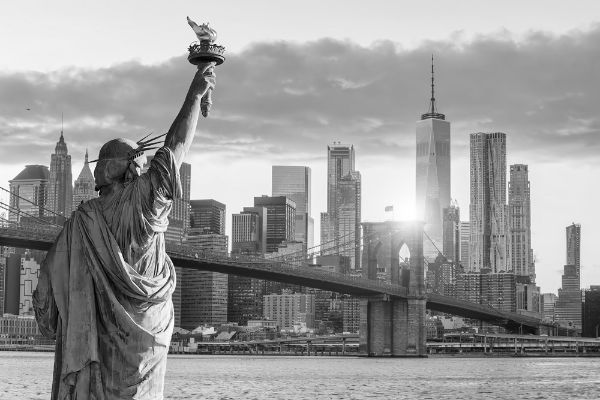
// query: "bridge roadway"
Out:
[42,238]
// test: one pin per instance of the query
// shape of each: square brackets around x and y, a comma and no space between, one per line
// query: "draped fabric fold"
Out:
[104,291]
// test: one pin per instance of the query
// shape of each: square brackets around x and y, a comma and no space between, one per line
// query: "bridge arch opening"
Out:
[404,254]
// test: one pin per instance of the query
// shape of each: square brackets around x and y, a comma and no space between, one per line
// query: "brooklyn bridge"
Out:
[393,304]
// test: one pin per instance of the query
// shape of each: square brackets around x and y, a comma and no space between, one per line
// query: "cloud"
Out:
[282,98]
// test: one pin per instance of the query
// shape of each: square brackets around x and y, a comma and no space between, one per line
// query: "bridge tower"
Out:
[391,326]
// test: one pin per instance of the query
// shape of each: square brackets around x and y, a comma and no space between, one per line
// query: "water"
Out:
[28,376]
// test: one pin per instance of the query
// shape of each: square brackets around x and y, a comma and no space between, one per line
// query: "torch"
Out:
[202,51]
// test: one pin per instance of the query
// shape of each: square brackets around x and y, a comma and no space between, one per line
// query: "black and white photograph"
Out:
[299,200]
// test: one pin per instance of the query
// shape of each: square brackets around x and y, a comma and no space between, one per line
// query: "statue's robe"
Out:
[105,288]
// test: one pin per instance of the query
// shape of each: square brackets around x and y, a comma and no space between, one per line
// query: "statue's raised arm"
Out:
[180,135]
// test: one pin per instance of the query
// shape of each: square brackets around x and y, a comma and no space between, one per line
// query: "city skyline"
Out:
[556,119]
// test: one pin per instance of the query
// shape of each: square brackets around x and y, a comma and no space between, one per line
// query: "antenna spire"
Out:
[62,124]
[432,107]
[432,112]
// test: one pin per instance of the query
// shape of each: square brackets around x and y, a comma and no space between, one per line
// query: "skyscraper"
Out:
[348,210]
[60,182]
[204,293]
[340,162]
[488,203]
[451,233]
[519,220]
[574,245]
[84,188]
[432,169]
[281,220]
[245,294]
[29,194]
[568,305]
[343,199]
[294,183]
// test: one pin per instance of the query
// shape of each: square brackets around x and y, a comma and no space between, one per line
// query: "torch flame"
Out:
[203,32]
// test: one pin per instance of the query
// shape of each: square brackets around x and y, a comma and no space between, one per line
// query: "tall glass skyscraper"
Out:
[574,245]
[281,220]
[451,242]
[432,170]
[293,182]
[487,210]
[340,162]
[519,219]
[348,210]
[341,223]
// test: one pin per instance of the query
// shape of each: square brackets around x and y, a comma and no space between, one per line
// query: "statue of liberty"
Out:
[104,290]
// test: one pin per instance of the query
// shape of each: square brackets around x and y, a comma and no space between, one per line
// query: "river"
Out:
[25,375]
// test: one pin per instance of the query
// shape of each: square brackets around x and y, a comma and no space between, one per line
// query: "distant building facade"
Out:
[528,299]
[441,276]
[591,313]
[351,314]
[29,194]
[248,236]
[495,290]
[465,238]
[204,293]
[568,305]
[249,231]
[290,309]
[30,270]
[451,233]
[207,216]
[84,188]
[548,301]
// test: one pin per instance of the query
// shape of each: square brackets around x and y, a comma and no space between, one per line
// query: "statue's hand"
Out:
[206,78]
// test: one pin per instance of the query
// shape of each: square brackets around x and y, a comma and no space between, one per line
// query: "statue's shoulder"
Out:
[88,207]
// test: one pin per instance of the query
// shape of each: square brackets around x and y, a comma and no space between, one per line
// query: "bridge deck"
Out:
[255,267]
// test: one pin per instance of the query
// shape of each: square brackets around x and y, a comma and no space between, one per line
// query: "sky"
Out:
[300,75]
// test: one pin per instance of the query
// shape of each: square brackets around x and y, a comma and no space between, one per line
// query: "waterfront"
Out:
[25,375]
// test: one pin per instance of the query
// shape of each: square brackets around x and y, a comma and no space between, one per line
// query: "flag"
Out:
[389,208]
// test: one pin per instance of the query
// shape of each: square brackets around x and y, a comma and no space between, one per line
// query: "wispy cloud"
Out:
[292,97]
